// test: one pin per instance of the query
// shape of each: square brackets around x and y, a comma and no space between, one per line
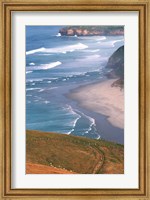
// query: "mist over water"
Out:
[56,64]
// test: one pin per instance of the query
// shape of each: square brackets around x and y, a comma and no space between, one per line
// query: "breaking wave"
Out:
[28,72]
[45,66]
[110,43]
[61,49]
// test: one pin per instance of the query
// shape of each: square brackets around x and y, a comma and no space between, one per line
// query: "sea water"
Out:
[55,65]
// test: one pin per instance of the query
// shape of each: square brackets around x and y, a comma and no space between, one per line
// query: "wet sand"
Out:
[104,99]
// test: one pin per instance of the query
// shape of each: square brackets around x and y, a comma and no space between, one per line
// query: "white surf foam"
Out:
[46,102]
[77,113]
[28,72]
[113,42]
[36,100]
[95,50]
[58,35]
[69,48]
[92,121]
[28,89]
[109,43]
[32,63]
[94,38]
[35,51]
[45,66]
[34,80]
[51,65]
[92,50]
[62,49]
[93,56]
[101,38]
[73,122]
[98,137]
[48,80]
[41,90]
[52,88]
[53,78]
[44,54]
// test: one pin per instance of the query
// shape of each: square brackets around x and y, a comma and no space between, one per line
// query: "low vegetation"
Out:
[72,154]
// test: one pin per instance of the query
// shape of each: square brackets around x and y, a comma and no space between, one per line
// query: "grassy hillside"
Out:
[72,154]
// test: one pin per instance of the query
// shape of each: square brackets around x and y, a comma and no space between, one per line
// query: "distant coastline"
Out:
[92,31]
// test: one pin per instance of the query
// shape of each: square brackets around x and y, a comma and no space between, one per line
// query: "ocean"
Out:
[55,65]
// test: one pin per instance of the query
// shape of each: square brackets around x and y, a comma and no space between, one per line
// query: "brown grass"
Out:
[72,154]
[32,168]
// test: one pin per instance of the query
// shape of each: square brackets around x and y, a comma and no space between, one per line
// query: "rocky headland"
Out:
[92,31]
[116,66]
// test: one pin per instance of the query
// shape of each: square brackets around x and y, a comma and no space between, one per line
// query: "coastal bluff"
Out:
[92,31]
[116,65]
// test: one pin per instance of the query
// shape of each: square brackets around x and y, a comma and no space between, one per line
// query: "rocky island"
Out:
[92,31]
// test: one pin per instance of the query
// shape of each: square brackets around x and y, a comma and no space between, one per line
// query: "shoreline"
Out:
[106,103]
[103,126]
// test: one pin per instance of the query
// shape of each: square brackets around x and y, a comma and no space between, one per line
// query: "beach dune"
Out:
[102,98]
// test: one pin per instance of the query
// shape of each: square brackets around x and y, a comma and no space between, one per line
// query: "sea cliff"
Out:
[116,65]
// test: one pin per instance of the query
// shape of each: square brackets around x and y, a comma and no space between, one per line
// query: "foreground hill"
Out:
[62,154]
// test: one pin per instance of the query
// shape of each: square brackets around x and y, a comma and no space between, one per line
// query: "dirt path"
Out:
[100,159]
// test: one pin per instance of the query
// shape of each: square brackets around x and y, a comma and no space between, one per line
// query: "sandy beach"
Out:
[104,99]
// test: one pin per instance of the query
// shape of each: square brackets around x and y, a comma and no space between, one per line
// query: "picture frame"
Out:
[7,7]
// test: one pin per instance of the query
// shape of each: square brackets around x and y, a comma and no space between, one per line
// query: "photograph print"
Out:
[75,99]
